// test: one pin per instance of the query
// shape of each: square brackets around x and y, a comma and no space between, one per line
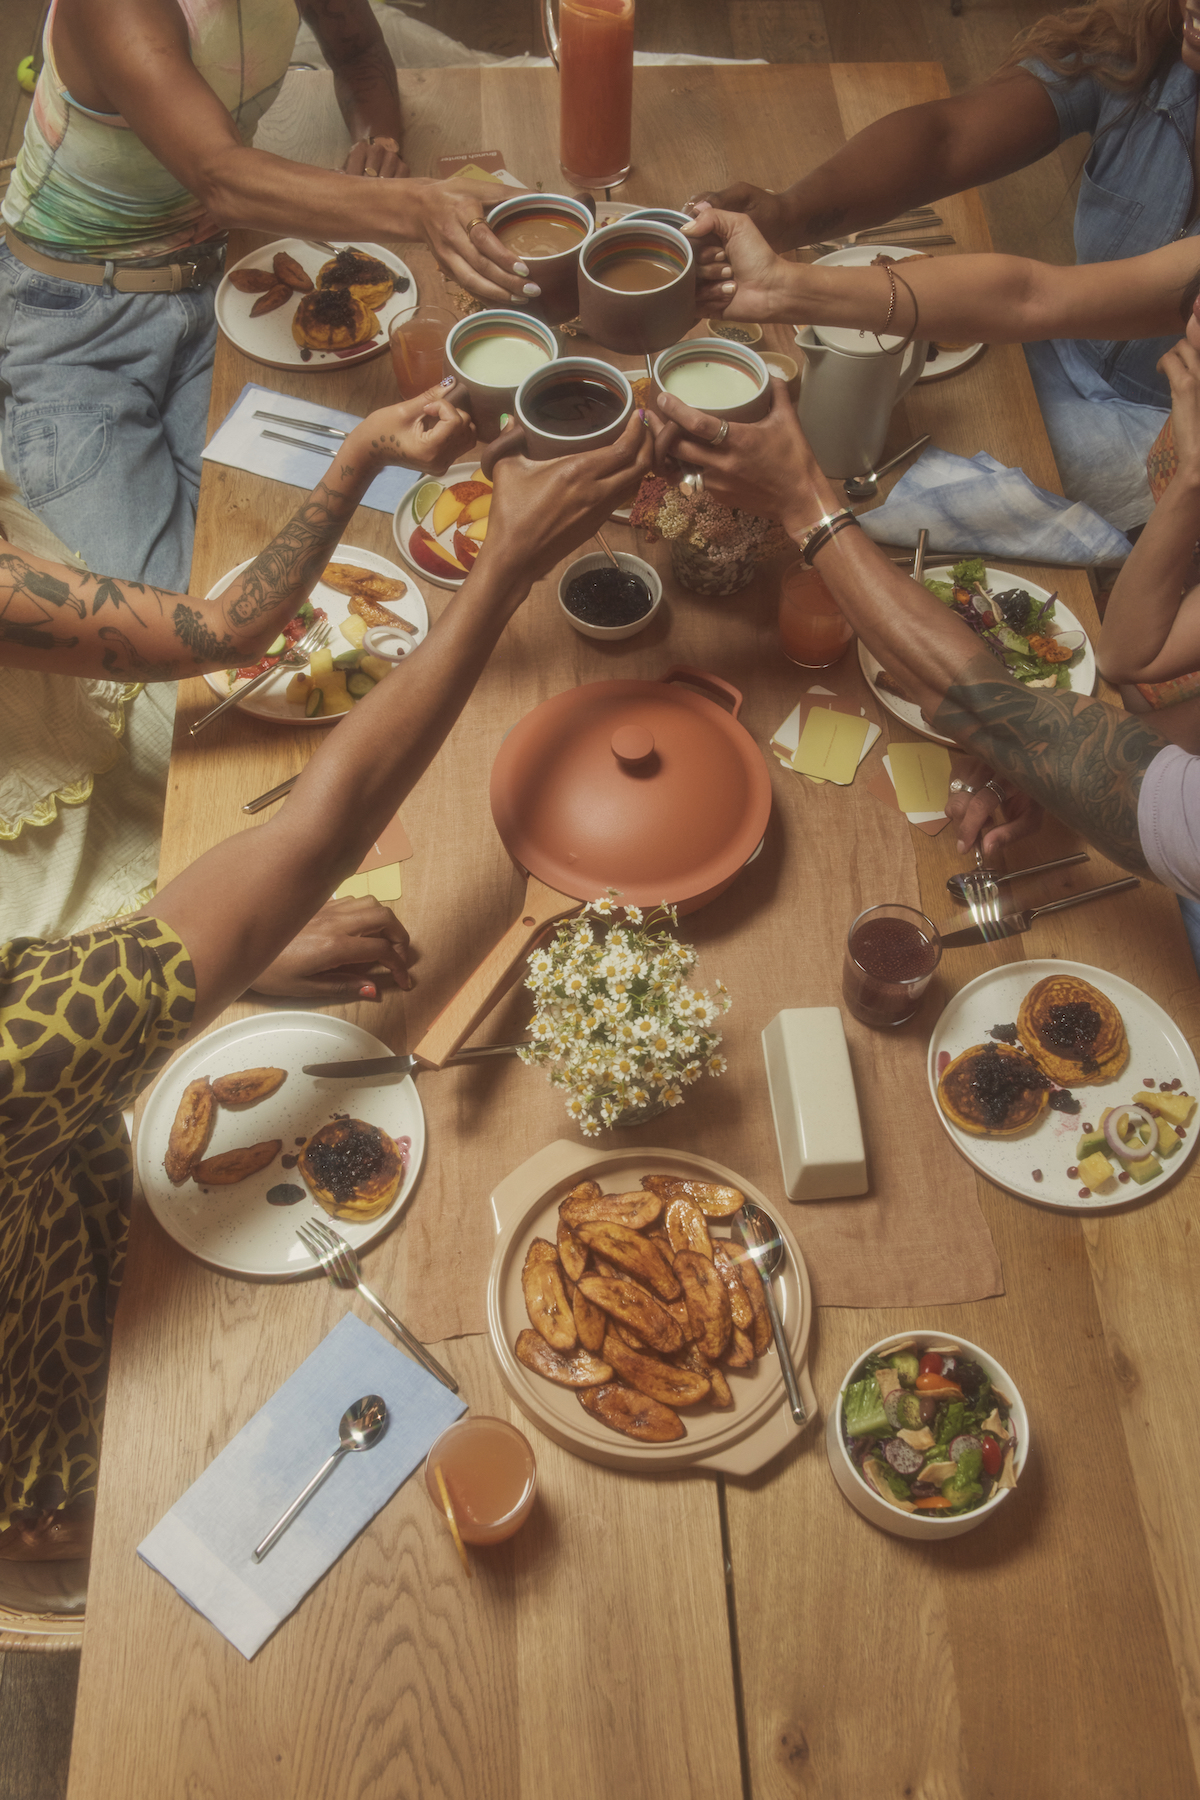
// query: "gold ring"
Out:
[474,222]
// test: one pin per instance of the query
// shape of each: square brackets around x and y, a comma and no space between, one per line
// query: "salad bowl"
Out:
[926,1527]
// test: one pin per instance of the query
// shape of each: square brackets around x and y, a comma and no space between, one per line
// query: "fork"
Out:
[314,637]
[982,897]
[340,1263]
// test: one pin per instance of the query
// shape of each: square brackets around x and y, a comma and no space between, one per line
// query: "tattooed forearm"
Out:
[36,586]
[121,657]
[288,567]
[1084,761]
[32,637]
[192,629]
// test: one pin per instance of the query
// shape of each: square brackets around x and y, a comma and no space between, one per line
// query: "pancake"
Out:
[354,1169]
[1072,1031]
[365,276]
[993,1090]
[332,319]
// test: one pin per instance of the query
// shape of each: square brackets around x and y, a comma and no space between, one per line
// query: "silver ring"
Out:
[962,787]
[722,433]
[956,786]
[996,789]
[694,483]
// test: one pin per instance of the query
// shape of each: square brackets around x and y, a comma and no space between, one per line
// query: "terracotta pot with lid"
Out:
[647,787]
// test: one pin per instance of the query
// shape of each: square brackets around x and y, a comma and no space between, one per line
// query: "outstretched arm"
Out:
[364,80]
[58,619]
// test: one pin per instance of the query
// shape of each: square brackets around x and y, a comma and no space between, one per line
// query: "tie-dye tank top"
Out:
[85,184]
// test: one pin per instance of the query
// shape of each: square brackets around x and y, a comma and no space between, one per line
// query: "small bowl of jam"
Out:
[603,602]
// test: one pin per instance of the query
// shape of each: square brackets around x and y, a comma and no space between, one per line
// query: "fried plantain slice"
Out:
[694,1358]
[635,1210]
[272,300]
[635,1415]
[288,270]
[253,281]
[628,1302]
[666,1382]
[714,1200]
[739,1301]
[707,1302]
[236,1165]
[590,1322]
[248,1087]
[575,1371]
[571,1253]
[190,1129]
[760,1332]
[631,1252]
[687,1226]
[545,1297]
[740,1353]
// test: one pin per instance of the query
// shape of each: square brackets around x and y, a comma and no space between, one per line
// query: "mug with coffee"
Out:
[491,353]
[725,380]
[575,403]
[637,286]
[546,231]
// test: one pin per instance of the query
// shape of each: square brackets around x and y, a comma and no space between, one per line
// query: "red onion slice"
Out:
[1131,1150]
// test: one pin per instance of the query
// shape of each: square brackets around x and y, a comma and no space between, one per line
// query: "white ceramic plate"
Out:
[403,524]
[236,1228]
[269,339]
[951,362]
[267,702]
[861,256]
[1083,672]
[1157,1048]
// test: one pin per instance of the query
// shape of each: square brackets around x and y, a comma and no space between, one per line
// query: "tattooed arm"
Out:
[59,619]
[1083,760]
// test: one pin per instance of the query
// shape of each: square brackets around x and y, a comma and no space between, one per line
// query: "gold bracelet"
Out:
[807,542]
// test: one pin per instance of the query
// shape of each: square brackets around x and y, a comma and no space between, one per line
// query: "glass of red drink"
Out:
[891,954]
[490,1474]
[812,630]
[419,349]
[594,52]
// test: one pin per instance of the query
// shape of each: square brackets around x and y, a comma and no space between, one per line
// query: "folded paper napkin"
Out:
[981,508]
[203,1546]
[239,443]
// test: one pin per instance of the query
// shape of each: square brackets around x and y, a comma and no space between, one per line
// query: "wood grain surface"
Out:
[1051,1653]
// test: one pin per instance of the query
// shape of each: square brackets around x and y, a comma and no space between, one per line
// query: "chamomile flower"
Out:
[716,1064]
[672,1095]
[634,914]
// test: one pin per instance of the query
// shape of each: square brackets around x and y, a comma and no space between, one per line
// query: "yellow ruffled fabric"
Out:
[58,734]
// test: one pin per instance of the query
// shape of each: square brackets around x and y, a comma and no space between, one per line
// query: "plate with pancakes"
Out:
[1062,1025]
[360,1145]
[294,305]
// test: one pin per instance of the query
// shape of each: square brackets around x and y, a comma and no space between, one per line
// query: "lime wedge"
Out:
[424,499]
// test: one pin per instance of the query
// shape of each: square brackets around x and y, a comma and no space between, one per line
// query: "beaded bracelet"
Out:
[911,333]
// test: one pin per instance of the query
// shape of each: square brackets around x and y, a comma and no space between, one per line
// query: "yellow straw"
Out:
[444,1491]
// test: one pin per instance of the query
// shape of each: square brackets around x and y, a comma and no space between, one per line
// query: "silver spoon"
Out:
[765,1247]
[362,1425]
[865,487]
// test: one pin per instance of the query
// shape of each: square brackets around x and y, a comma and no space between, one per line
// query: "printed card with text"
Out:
[831,744]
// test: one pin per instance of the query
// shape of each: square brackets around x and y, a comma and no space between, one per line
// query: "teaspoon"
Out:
[765,1247]
[362,1425]
[865,487]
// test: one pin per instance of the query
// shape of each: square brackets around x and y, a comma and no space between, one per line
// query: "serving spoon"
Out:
[361,1426]
[764,1245]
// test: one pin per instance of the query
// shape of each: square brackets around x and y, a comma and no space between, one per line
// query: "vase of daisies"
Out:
[715,549]
[617,1026]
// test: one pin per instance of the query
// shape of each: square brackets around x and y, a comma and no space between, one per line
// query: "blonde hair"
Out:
[1120,42]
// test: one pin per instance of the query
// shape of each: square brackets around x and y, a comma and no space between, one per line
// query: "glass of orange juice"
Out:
[419,347]
[490,1475]
[595,65]
[812,630]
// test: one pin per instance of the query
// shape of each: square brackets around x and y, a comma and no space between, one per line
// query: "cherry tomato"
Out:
[993,1455]
[931,1363]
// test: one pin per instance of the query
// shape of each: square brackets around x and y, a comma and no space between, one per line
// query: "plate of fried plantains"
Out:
[295,305]
[629,1324]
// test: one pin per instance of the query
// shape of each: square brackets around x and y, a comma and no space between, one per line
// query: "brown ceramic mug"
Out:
[637,286]
[724,380]
[576,403]
[491,353]
[547,231]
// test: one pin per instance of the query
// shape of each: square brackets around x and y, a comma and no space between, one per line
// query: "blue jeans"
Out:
[1100,441]
[105,404]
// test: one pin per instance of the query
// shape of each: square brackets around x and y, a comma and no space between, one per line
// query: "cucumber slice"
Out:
[358,684]
[315,704]
[278,647]
[347,659]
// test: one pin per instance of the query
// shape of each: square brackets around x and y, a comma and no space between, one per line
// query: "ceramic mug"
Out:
[659,215]
[573,404]
[528,219]
[724,380]
[491,353]
[637,286]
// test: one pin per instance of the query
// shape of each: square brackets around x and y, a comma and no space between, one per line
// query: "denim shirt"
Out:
[1135,195]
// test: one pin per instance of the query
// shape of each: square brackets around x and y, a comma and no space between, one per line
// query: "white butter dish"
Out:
[814,1104]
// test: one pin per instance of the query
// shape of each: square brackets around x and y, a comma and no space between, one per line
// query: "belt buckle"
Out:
[197,269]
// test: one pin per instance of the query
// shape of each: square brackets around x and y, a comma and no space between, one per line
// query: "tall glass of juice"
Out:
[595,64]
[418,349]
[813,632]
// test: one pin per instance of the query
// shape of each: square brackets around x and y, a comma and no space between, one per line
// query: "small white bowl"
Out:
[863,1497]
[632,565]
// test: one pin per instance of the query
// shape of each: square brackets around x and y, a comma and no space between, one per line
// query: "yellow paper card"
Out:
[385,884]
[830,746]
[921,773]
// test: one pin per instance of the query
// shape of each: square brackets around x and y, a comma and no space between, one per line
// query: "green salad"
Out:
[1017,629]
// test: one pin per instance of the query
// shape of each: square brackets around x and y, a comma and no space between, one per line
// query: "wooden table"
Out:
[680,1636]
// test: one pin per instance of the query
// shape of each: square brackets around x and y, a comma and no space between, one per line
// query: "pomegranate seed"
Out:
[1037,1174]
[1147,1082]
[1124,1175]
[1181,1131]
[1073,1171]
[1085,1193]
[1089,1128]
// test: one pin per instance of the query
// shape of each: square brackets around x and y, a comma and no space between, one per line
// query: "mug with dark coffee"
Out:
[546,231]
[575,403]
[637,286]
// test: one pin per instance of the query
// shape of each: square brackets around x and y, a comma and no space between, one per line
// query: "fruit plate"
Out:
[236,1228]
[738,1441]
[269,339]
[405,524]
[267,702]
[1157,1048]
[1083,672]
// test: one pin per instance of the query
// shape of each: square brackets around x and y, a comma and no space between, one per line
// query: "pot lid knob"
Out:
[632,743]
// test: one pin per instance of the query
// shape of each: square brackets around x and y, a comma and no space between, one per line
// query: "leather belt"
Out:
[189,270]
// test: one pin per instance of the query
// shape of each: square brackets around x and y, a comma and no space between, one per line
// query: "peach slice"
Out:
[446,510]
[465,547]
[478,508]
[429,555]
[477,530]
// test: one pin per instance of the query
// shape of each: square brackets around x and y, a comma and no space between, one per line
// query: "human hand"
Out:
[345,952]
[766,468]
[542,511]
[376,156]
[738,275]
[973,804]
[768,211]
[453,214]
[1181,366]
[429,433]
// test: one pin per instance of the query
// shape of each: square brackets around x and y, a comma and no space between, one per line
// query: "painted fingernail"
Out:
[520,268]
[726,271]
[729,287]
[368,991]
[505,419]
[532,289]
[642,414]
[449,380]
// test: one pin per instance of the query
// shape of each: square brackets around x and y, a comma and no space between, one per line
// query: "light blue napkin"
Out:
[239,443]
[981,508]
[203,1546]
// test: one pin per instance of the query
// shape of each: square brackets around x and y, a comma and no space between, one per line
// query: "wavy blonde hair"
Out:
[1121,42]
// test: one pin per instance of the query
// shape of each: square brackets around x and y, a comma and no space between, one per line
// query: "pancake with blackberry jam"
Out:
[1072,1031]
[993,1090]
[365,276]
[354,1169]
[332,319]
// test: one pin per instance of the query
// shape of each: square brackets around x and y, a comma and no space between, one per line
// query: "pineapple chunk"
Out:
[1145,1170]
[320,663]
[1169,1140]
[1178,1107]
[296,691]
[1095,1170]
[354,630]
[376,667]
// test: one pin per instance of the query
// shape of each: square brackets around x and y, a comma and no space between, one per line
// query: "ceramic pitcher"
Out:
[847,393]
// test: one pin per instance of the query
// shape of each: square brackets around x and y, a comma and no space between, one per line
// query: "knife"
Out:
[372,1068]
[1013,924]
